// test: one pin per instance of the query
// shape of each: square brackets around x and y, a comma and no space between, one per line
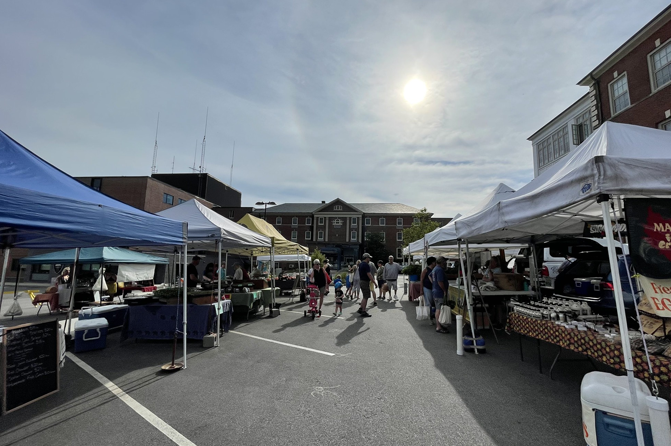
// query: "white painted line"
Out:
[145,413]
[283,343]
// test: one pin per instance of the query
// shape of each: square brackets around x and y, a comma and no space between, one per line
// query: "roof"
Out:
[366,208]
[94,255]
[560,115]
[624,49]
[281,244]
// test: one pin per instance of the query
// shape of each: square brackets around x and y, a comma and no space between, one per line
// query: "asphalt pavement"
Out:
[387,379]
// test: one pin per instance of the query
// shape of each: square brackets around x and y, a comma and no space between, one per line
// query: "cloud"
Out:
[311,92]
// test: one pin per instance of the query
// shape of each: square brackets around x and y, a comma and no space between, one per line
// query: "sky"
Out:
[309,92]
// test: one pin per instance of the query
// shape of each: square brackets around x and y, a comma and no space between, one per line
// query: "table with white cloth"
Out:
[225,312]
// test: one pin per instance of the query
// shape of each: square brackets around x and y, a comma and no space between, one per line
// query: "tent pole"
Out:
[5,262]
[226,263]
[463,272]
[604,200]
[471,315]
[184,306]
[73,290]
[218,315]
[16,284]
[272,278]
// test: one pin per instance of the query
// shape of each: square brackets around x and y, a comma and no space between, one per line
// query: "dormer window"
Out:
[337,207]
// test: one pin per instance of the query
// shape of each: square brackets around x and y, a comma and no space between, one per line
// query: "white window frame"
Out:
[582,127]
[552,148]
[170,201]
[294,221]
[320,221]
[337,207]
[353,236]
[399,236]
[320,235]
[611,94]
[231,213]
[308,220]
[368,221]
[399,219]
[399,253]
[382,221]
[354,222]
[278,220]
[337,222]
[294,235]
[308,235]
[415,220]
[665,125]
[384,236]
[666,46]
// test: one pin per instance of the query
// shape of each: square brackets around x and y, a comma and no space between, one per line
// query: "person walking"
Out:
[380,278]
[426,281]
[391,271]
[438,289]
[365,278]
[356,282]
[373,271]
[318,277]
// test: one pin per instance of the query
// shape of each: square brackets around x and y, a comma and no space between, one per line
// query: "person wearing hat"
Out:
[365,278]
[439,289]
[192,272]
[319,277]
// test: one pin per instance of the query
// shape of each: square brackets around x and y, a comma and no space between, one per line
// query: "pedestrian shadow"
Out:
[352,331]
[294,323]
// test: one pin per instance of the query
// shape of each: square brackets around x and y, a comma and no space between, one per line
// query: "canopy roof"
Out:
[617,159]
[282,245]
[207,225]
[43,207]
[286,258]
[94,255]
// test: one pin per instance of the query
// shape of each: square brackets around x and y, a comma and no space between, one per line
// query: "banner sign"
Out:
[594,229]
[658,293]
[649,228]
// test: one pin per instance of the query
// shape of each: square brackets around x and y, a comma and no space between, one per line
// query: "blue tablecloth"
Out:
[159,321]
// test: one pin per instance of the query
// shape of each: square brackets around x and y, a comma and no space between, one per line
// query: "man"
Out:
[192,272]
[391,271]
[438,289]
[318,277]
[365,279]
[426,281]
[373,272]
[238,274]
[380,278]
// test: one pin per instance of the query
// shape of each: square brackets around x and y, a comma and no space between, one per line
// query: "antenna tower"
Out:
[230,181]
[154,168]
[173,164]
[201,168]
[195,151]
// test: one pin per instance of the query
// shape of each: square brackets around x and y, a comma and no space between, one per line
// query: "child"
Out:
[338,297]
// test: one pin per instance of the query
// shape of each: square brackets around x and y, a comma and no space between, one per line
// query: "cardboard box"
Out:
[208,340]
[509,281]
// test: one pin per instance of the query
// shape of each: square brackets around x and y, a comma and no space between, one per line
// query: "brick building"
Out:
[630,86]
[339,229]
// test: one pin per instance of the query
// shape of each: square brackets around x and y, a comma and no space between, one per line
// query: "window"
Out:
[349,260]
[619,94]
[294,235]
[278,220]
[337,207]
[308,235]
[666,125]
[337,222]
[320,222]
[308,220]
[96,183]
[399,253]
[384,236]
[354,222]
[661,66]
[231,214]
[320,235]
[352,236]
[553,147]
[44,268]
[181,200]
[582,128]
[294,221]
[382,221]
[415,221]
[399,236]
[367,222]
[168,199]
[399,222]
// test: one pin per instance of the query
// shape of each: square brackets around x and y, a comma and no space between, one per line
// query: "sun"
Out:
[414,91]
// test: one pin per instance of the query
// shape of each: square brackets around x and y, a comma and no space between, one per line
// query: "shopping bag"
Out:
[445,317]
[422,311]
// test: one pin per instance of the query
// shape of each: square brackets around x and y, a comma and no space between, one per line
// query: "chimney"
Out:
[323,202]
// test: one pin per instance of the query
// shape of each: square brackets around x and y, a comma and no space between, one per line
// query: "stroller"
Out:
[312,302]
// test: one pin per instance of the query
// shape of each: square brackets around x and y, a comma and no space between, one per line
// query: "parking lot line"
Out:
[283,343]
[145,413]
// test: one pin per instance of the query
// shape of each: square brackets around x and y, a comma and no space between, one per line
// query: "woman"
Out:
[492,269]
[210,272]
[355,280]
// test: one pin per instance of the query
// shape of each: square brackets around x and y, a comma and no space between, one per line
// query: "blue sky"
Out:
[311,92]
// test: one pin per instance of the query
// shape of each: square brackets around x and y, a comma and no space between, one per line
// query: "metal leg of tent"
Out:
[604,200]
[540,363]
[184,305]
[482,301]
[5,262]
[73,290]
[218,312]
[469,300]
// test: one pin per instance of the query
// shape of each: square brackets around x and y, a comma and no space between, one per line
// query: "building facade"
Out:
[339,229]
[205,186]
[631,86]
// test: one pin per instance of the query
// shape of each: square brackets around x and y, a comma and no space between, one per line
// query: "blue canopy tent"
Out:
[94,255]
[43,207]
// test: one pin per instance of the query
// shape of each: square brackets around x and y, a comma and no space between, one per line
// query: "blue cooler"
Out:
[607,415]
[90,334]
[588,286]
[115,314]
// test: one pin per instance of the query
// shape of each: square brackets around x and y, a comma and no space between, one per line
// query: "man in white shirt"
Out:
[391,271]
[238,275]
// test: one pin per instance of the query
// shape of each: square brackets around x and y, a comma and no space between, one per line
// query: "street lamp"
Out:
[265,207]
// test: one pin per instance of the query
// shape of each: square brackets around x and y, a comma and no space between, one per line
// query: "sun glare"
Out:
[414,91]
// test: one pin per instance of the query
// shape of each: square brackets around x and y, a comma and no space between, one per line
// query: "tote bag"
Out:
[422,311]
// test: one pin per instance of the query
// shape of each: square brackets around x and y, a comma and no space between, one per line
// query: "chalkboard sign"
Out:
[30,364]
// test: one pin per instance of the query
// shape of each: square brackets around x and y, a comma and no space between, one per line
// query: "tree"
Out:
[376,247]
[317,254]
[420,226]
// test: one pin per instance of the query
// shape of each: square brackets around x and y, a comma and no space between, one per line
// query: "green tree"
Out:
[376,247]
[420,226]
[317,254]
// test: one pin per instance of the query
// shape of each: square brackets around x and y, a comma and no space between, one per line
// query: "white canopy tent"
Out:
[617,161]
[206,227]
